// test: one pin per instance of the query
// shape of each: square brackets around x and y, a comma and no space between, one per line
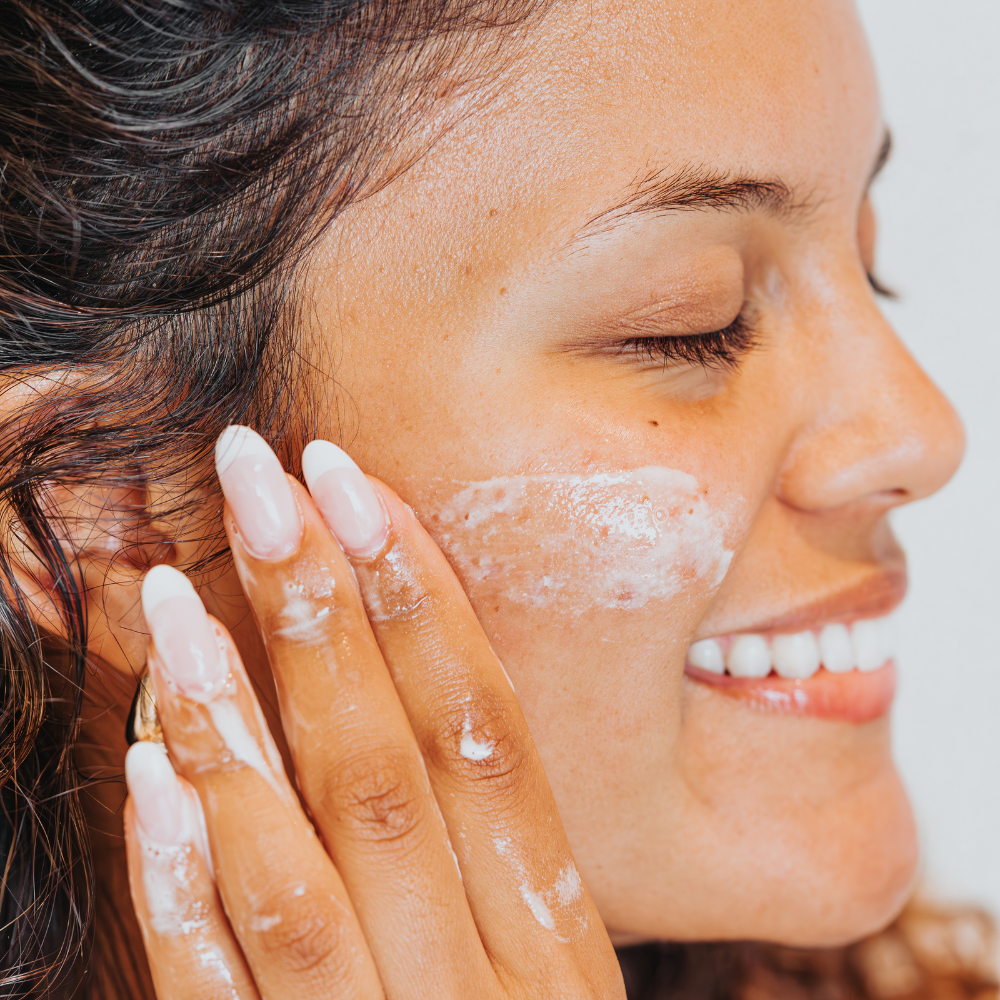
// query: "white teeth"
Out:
[835,649]
[749,656]
[707,655]
[872,643]
[795,655]
[867,645]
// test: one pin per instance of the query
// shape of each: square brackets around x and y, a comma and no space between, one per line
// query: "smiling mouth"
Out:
[838,671]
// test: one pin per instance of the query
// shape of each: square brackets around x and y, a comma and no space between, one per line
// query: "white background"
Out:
[939,212]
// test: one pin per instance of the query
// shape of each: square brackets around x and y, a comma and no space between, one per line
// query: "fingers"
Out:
[481,760]
[359,768]
[286,905]
[191,950]
[522,884]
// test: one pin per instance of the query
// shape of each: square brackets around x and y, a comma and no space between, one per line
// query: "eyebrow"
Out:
[694,188]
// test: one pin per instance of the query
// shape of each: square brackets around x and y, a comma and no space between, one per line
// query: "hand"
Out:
[423,856]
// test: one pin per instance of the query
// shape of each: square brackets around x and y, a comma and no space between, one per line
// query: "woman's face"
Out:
[650,171]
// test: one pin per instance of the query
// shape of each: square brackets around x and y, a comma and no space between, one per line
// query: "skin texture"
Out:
[466,327]
[473,323]
[445,872]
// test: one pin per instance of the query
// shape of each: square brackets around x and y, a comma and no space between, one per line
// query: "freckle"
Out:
[497,608]
[691,510]
[654,423]
[503,291]
[493,212]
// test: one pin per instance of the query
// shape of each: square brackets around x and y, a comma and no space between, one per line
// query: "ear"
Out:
[108,545]
[104,534]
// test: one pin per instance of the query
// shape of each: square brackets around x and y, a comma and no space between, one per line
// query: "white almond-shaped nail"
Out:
[345,498]
[184,637]
[168,814]
[258,494]
[706,654]
[156,794]
[163,582]
[236,442]
[749,656]
[835,650]
[795,656]
[869,638]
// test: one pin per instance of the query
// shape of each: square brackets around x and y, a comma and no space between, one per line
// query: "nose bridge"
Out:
[875,425]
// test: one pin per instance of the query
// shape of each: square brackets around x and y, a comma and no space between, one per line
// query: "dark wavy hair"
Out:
[164,168]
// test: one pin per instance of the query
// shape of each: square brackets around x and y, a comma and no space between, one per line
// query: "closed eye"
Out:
[721,350]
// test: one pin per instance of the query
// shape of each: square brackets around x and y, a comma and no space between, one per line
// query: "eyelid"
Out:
[720,350]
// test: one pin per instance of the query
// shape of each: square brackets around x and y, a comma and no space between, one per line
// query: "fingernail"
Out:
[258,493]
[184,637]
[161,807]
[346,499]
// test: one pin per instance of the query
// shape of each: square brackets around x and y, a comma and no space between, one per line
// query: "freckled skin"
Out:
[469,335]
[625,540]
[454,314]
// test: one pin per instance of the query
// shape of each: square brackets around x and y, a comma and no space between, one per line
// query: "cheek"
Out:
[554,563]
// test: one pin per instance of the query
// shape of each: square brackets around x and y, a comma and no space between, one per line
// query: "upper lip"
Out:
[873,598]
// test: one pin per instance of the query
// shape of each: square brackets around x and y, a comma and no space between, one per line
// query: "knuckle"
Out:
[480,742]
[302,934]
[380,796]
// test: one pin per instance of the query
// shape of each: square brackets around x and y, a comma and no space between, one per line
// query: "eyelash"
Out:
[722,350]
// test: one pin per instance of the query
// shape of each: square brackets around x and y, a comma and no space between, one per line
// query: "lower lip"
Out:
[849,697]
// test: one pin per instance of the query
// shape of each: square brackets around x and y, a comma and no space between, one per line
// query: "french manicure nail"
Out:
[184,637]
[258,493]
[345,498]
[160,803]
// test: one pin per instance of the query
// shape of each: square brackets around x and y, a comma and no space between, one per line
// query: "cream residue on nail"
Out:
[578,542]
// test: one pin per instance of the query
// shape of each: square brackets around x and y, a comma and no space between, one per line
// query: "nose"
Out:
[876,427]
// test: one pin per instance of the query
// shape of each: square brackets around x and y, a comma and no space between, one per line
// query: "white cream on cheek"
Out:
[580,542]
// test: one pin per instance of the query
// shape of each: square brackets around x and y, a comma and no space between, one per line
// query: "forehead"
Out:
[602,93]
[767,87]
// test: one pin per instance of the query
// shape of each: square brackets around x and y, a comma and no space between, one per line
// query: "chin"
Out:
[809,842]
[851,884]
